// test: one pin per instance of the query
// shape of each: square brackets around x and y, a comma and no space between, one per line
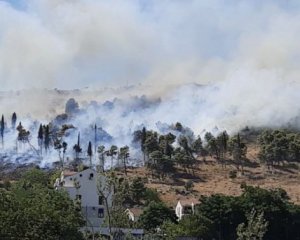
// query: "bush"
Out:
[189,185]
[233,174]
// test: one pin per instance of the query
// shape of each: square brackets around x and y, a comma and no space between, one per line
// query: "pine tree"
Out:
[111,153]
[124,155]
[238,150]
[137,189]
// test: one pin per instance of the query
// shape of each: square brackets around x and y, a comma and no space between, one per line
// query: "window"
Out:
[100,213]
[80,175]
[78,197]
[91,176]
[101,200]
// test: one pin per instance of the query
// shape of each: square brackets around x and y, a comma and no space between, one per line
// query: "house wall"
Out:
[88,190]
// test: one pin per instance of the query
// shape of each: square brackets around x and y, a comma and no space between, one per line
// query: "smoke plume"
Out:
[203,63]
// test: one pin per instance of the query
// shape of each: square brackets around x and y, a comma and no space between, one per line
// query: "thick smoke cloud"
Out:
[73,43]
[211,63]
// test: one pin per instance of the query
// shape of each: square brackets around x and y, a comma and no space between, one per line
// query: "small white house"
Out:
[185,207]
[83,186]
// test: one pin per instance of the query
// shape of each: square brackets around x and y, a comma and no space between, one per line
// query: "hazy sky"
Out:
[247,52]
[78,43]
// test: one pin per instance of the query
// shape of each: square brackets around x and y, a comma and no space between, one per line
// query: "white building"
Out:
[83,186]
[185,207]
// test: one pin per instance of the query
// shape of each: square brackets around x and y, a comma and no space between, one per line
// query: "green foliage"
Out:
[160,152]
[189,185]
[183,159]
[119,218]
[112,152]
[227,212]
[255,229]
[224,211]
[178,126]
[151,195]
[160,163]
[35,176]
[217,146]
[189,226]
[137,189]
[155,214]
[238,150]
[5,184]
[197,147]
[278,146]
[124,155]
[31,210]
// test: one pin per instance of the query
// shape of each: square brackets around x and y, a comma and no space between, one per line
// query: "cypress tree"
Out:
[90,152]
[143,141]
[13,120]
[47,138]
[40,137]
[77,147]
[2,126]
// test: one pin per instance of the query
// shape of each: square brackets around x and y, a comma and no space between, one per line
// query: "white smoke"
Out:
[245,54]
[73,44]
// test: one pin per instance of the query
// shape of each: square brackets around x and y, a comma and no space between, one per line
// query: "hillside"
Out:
[210,178]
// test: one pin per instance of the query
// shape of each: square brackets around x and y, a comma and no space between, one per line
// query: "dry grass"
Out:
[210,178]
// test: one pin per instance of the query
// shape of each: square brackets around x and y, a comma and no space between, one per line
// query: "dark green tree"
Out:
[190,226]
[77,148]
[137,189]
[40,138]
[32,210]
[47,138]
[112,152]
[2,128]
[23,134]
[255,229]
[90,152]
[13,121]
[124,155]
[197,146]
[238,150]
[155,214]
